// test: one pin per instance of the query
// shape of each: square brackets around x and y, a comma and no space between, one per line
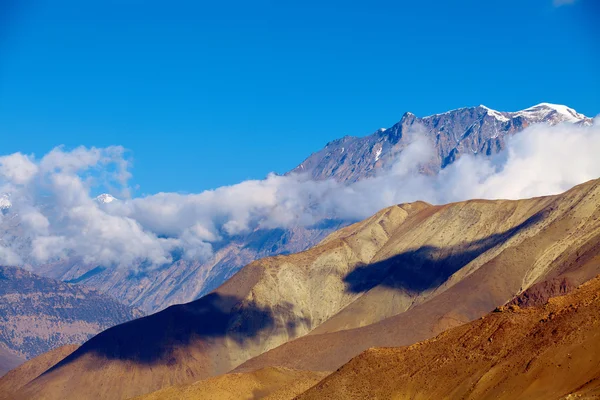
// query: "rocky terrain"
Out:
[38,314]
[470,130]
[550,351]
[404,275]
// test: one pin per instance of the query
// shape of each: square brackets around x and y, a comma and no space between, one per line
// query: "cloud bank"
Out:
[53,216]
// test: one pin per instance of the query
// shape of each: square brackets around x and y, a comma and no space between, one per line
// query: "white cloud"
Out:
[58,218]
[17,168]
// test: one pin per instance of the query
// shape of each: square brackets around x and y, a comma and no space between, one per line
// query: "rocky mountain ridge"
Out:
[470,130]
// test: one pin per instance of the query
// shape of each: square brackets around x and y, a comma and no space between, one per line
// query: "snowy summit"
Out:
[105,198]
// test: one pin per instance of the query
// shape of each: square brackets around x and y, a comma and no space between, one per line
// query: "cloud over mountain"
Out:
[52,205]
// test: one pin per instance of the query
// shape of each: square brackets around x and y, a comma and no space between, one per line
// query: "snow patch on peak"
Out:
[378,154]
[105,198]
[563,112]
[5,203]
[495,114]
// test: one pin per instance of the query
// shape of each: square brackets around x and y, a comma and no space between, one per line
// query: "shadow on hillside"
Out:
[153,338]
[426,267]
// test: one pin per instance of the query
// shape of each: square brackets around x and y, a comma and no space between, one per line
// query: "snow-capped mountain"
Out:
[5,203]
[465,130]
[105,198]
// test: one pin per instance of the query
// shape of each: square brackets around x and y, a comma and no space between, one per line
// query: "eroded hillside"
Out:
[403,275]
[545,352]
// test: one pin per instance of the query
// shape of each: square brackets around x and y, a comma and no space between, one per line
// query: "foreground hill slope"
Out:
[562,242]
[266,384]
[23,374]
[406,274]
[545,352]
[38,314]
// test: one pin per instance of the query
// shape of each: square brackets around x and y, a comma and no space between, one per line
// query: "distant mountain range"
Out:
[471,130]
[38,314]
[462,131]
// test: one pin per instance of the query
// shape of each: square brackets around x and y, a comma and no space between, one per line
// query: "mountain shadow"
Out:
[154,338]
[428,266]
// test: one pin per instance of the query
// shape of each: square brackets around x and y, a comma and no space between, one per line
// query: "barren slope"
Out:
[401,276]
[546,352]
[268,383]
[23,374]
[564,242]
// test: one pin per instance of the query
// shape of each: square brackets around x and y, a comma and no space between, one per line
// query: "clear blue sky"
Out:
[208,93]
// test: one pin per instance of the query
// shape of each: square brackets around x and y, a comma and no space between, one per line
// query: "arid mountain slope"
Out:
[23,374]
[265,384]
[267,303]
[547,352]
[564,242]
[184,280]
[39,314]
[433,267]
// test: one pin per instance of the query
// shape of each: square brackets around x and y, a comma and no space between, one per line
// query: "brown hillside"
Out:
[403,275]
[266,384]
[547,352]
[20,376]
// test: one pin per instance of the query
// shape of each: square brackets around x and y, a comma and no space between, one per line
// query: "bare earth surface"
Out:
[547,352]
[402,276]
[268,384]
[20,376]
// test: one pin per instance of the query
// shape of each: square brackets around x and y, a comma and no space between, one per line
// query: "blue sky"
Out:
[206,94]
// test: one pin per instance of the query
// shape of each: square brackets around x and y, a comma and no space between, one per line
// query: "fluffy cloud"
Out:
[53,215]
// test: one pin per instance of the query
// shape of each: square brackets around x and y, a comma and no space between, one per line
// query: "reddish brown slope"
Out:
[424,268]
[562,245]
[547,352]
[266,384]
[23,374]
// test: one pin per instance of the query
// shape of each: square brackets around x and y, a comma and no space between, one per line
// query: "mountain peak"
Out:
[5,202]
[105,198]
[544,110]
